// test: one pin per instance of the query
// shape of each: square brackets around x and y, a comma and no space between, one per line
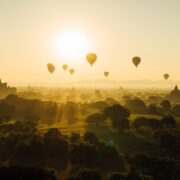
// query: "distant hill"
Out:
[129,83]
[106,83]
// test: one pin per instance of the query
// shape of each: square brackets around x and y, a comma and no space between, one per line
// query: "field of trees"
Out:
[89,134]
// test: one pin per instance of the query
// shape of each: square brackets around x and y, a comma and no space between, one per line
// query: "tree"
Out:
[111,101]
[56,150]
[99,105]
[152,123]
[133,175]
[31,154]
[75,137]
[7,118]
[166,105]
[90,175]
[155,167]
[91,138]
[97,94]
[1,120]
[7,109]
[33,118]
[168,121]
[52,134]
[96,118]
[176,110]
[11,98]
[86,174]
[153,99]
[71,110]
[136,105]
[118,115]
[117,176]
[168,142]
[84,155]
[153,109]
[28,173]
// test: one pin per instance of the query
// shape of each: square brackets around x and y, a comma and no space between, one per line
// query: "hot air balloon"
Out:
[65,66]
[50,67]
[136,60]
[71,71]
[166,76]
[91,58]
[106,73]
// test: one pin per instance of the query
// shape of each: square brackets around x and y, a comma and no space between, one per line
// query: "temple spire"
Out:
[176,88]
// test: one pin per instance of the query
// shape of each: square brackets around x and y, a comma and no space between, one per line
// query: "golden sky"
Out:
[116,30]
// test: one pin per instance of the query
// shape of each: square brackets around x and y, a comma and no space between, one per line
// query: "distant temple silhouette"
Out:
[175,94]
[5,90]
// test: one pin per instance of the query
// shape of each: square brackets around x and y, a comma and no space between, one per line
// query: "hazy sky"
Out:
[116,30]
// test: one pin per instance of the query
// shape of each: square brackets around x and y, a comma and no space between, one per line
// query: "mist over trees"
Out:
[89,134]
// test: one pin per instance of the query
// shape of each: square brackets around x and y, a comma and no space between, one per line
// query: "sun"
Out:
[72,44]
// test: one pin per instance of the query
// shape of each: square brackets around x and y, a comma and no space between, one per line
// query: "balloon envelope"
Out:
[50,67]
[91,58]
[136,60]
[71,71]
[106,73]
[166,76]
[65,66]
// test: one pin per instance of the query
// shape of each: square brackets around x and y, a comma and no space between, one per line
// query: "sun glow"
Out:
[72,44]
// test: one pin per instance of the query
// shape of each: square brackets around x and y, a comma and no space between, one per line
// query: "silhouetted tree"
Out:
[167,141]
[153,99]
[99,105]
[96,119]
[86,174]
[166,105]
[176,110]
[136,105]
[84,155]
[168,121]
[11,98]
[31,154]
[7,109]
[28,173]
[111,101]
[90,175]
[56,150]
[75,137]
[52,134]
[97,94]
[7,118]
[71,110]
[84,97]
[133,175]
[153,109]
[154,167]
[91,138]
[1,120]
[141,122]
[117,176]
[118,115]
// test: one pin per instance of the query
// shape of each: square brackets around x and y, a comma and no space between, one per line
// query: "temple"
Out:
[5,90]
[174,95]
